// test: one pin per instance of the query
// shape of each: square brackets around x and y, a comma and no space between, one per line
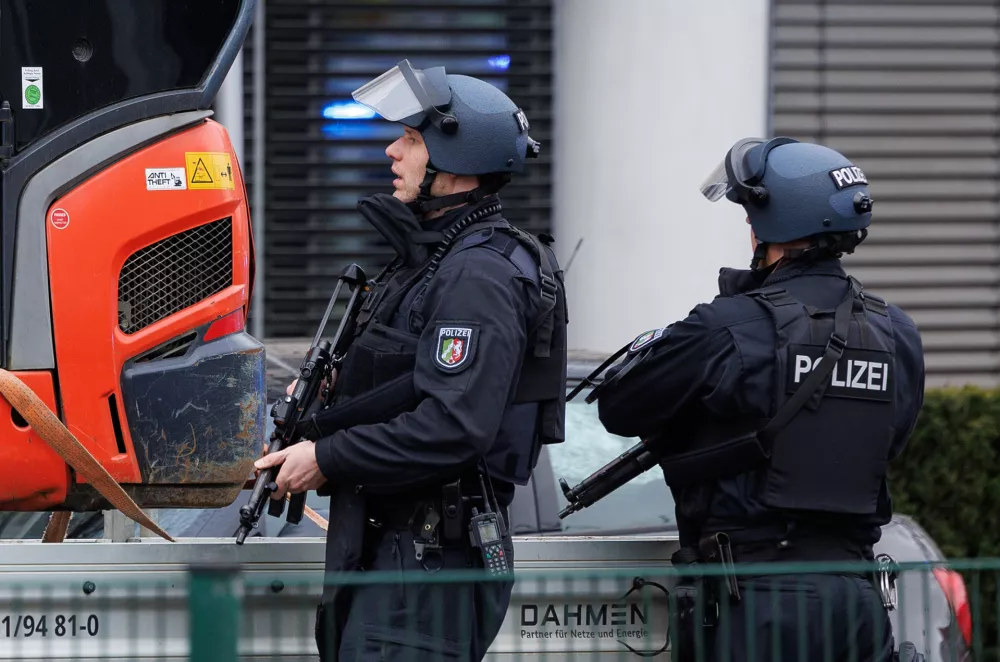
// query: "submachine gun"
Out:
[619,471]
[316,367]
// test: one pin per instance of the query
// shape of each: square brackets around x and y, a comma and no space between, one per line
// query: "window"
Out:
[644,503]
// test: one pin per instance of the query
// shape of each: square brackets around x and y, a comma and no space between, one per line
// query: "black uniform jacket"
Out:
[484,296]
[695,372]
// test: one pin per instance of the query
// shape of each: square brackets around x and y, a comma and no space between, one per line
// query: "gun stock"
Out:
[317,365]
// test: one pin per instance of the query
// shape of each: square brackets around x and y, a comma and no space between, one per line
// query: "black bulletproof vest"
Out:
[375,383]
[826,449]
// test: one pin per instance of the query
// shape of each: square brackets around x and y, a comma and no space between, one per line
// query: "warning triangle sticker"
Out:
[201,174]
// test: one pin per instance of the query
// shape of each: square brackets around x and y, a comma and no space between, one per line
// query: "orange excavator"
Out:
[128,378]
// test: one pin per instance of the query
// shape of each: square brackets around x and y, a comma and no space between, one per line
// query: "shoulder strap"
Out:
[834,350]
[466,238]
[776,296]
[548,289]
[875,304]
[543,324]
[448,240]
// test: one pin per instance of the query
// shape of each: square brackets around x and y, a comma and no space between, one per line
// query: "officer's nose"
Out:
[392,151]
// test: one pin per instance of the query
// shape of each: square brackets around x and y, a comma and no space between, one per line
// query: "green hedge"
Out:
[948,480]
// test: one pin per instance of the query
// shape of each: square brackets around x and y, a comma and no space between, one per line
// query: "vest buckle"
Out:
[837,343]
[776,296]
[548,287]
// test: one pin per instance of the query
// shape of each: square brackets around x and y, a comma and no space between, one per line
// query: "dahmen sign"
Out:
[636,621]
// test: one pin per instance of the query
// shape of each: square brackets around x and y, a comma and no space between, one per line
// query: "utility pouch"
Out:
[710,463]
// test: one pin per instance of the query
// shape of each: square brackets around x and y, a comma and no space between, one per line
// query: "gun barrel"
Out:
[630,464]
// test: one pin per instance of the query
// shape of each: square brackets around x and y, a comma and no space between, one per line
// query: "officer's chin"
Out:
[401,194]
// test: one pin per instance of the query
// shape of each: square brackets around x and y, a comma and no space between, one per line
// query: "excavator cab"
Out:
[127,254]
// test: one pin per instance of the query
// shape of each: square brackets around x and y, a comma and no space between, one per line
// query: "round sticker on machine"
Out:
[59,218]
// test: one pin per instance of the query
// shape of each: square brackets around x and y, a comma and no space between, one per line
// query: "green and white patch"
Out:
[454,345]
[644,339]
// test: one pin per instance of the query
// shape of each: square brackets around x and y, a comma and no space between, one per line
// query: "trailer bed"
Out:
[104,600]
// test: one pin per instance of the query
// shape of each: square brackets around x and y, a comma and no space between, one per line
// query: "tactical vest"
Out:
[826,449]
[375,383]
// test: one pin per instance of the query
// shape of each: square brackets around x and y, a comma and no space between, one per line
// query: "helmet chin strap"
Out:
[430,172]
[820,247]
[759,255]
[426,202]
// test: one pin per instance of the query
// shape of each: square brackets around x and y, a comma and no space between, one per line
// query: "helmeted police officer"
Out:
[779,405]
[455,379]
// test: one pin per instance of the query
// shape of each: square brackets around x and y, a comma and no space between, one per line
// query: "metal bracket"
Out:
[118,527]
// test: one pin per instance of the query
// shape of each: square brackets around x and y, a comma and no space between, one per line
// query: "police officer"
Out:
[778,407]
[455,379]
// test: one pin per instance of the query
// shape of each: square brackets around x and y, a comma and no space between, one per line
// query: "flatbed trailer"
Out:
[137,600]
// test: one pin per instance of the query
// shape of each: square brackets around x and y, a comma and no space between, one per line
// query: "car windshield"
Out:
[643,503]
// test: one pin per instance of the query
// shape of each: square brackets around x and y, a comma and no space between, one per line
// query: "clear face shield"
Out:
[411,96]
[738,175]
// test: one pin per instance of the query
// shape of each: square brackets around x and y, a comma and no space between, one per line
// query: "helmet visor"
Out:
[404,91]
[717,184]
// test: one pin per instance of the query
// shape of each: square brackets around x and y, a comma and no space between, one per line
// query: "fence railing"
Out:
[220,613]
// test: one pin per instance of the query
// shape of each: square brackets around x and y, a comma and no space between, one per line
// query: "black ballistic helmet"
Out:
[469,126]
[793,190]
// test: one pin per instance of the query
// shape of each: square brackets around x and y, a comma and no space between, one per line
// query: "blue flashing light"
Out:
[501,62]
[352,131]
[347,110]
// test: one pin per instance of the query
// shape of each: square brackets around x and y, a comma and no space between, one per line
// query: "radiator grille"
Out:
[175,273]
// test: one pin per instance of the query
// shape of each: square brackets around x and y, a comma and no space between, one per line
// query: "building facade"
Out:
[635,101]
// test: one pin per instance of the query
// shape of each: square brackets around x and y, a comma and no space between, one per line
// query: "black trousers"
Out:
[407,616]
[814,618]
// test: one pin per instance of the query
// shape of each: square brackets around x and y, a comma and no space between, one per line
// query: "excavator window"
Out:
[62,59]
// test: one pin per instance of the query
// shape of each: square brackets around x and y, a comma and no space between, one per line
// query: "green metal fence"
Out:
[948,612]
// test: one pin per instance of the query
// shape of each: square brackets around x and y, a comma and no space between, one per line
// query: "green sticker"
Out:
[32,94]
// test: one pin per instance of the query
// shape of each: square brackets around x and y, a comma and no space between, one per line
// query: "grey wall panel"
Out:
[911,92]
[901,276]
[320,160]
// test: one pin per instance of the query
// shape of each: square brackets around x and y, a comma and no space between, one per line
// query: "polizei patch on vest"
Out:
[645,338]
[860,373]
[848,176]
[454,347]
